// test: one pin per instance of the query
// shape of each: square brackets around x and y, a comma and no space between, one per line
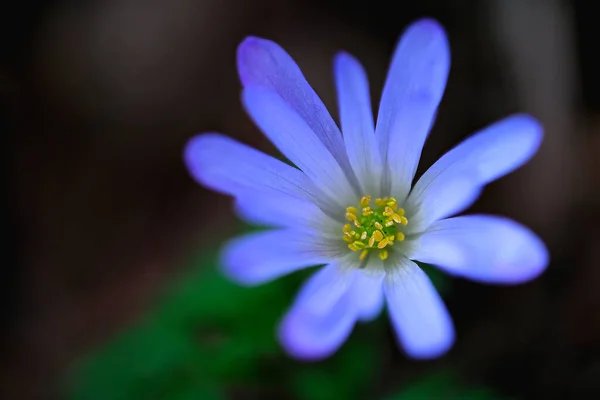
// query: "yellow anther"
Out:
[380,202]
[356,246]
[382,244]
[363,255]
[383,254]
[359,244]
[365,200]
[377,235]
[374,226]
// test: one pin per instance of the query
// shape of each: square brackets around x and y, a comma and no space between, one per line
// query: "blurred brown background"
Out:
[99,97]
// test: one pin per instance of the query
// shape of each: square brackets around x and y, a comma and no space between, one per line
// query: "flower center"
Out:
[374,228]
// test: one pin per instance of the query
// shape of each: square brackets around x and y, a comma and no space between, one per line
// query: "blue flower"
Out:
[350,204]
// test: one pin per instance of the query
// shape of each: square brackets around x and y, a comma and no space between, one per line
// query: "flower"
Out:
[349,204]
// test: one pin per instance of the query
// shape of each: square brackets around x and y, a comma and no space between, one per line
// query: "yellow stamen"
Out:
[377,235]
[363,255]
[365,200]
[383,254]
[374,226]
[382,244]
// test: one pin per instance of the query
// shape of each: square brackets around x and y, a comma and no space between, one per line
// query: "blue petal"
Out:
[356,116]
[322,316]
[456,179]
[284,211]
[484,248]
[297,141]
[230,167]
[367,291]
[420,318]
[413,90]
[265,64]
[261,257]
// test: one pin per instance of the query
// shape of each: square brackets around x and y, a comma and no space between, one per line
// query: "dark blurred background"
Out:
[102,226]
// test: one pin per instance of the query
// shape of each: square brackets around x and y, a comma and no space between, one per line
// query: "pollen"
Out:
[374,226]
[364,201]
[363,255]
[383,254]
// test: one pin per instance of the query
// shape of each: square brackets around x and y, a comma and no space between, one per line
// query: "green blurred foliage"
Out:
[207,336]
[442,385]
[345,376]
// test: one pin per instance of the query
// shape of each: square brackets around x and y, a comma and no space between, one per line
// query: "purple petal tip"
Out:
[530,130]
[428,24]
[342,56]
[531,123]
[192,153]
[249,43]
[428,32]
[252,47]
[432,352]
[297,346]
